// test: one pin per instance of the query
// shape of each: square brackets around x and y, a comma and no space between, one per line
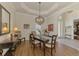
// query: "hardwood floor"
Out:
[25,49]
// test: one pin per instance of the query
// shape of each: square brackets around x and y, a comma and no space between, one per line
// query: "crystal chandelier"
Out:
[39,19]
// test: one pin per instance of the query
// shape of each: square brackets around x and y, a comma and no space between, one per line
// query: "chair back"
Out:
[54,37]
[17,34]
[31,37]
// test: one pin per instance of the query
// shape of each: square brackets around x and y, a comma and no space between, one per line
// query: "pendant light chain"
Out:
[39,8]
[15,18]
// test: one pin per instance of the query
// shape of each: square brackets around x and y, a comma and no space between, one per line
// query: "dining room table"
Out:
[43,39]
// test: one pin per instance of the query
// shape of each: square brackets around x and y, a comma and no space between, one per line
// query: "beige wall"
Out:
[22,19]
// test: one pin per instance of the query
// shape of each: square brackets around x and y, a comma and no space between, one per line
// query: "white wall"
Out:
[11,9]
[22,19]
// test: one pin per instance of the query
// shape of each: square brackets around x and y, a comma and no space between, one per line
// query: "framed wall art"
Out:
[50,27]
[26,26]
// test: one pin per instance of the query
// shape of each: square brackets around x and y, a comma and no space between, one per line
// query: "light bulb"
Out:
[15,29]
[5,29]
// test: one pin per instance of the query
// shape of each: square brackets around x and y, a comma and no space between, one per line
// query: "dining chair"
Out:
[33,41]
[52,44]
[12,50]
[20,37]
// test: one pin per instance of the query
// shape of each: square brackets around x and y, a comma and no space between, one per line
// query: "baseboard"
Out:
[71,43]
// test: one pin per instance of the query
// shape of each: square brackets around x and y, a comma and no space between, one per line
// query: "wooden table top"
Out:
[41,39]
[7,41]
[7,44]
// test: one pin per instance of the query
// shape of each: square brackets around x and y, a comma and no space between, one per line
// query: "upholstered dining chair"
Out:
[52,44]
[33,41]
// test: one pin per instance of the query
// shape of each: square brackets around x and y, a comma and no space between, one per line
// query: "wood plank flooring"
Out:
[25,49]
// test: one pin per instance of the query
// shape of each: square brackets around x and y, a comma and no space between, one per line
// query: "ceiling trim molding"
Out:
[55,6]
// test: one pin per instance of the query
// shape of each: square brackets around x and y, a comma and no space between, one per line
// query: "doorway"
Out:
[60,28]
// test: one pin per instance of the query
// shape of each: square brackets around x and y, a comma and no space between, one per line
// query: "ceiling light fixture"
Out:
[39,19]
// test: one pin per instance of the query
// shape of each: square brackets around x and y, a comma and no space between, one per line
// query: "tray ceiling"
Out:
[46,7]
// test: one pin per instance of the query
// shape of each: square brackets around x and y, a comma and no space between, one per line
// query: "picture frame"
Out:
[26,26]
[50,27]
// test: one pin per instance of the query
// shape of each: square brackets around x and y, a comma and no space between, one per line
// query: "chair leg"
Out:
[24,40]
[40,45]
[55,49]
[51,52]
[33,46]
[9,53]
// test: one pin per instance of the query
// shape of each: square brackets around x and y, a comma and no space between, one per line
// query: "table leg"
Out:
[44,48]
[20,41]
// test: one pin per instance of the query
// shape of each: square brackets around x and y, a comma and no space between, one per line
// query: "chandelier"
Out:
[39,19]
